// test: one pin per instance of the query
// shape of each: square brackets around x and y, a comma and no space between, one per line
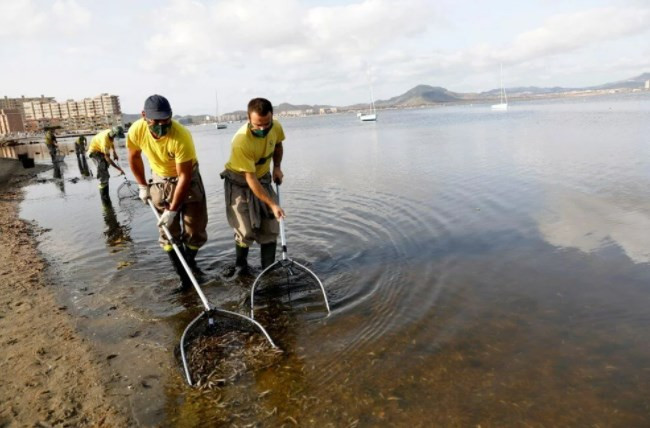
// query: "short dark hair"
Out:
[261,106]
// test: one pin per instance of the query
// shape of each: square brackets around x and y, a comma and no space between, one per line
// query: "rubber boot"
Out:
[190,258]
[186,283]
[241,263]
[268,254]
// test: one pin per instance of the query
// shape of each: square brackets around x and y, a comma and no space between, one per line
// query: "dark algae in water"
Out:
[217,361]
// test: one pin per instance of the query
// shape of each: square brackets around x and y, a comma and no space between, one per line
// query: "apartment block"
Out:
[91,114]
[11,121]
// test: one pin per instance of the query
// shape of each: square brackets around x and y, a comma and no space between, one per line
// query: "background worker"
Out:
[176,188]
[99,151]
[251,207]
[51,143]
[80,145]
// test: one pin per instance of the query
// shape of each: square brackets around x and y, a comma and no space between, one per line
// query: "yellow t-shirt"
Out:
[249,153]
[164,153]
[101,143]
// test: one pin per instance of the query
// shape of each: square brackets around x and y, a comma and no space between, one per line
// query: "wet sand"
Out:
[51,376]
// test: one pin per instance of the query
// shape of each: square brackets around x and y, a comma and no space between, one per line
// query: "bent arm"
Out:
[107,156]
[184,171]
[261,194]
[277,161]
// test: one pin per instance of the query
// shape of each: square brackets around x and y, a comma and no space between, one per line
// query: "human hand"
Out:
[167,218]
[143,194]
[122,171]
[115,156]
[277,175]
[278,212]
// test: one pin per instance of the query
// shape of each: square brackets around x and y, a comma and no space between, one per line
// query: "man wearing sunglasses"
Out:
[175,187]
[251,207]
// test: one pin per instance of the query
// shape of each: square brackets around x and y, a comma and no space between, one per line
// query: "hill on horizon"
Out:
[422,95]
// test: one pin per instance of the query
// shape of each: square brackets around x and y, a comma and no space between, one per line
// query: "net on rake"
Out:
[287,282]
[128,191]
[220,346]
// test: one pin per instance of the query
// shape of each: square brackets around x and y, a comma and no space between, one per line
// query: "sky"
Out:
[312,52]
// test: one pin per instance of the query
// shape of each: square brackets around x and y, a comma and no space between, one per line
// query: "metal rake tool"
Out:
[212,320]
[287,270]
[128,190]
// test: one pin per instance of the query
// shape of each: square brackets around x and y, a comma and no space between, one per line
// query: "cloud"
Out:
[21,18]
[560,34]
[69,17]
[25,19]
[566,33]
[282,33]
[573,40]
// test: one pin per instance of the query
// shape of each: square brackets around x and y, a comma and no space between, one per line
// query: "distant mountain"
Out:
[525,90]
[284,107]
[130,118]
[430,95]
[634,82]
[423,95]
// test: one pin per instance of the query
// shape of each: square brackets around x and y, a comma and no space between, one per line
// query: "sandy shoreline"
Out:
[51,376]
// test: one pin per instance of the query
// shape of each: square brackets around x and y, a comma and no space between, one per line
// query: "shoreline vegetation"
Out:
[51,374]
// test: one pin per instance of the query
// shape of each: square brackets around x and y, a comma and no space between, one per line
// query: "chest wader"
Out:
[188,254]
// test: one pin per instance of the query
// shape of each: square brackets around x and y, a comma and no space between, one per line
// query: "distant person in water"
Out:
[80,146]
[176,188]
[51,143]
[251,203]
[100,150]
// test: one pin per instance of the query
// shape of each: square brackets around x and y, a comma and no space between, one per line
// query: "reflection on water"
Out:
[590,223]
[483,269]
[116,233]
[82,163]
[57,176]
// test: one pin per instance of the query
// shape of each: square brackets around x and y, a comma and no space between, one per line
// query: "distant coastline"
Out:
[432,96]
[421,96]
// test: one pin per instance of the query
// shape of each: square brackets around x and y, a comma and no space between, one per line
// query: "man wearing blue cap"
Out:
[175,187]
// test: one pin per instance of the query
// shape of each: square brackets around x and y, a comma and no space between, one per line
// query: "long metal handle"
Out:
[283,238]
[182,259]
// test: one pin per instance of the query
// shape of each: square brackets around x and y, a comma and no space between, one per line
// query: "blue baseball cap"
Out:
[157,107]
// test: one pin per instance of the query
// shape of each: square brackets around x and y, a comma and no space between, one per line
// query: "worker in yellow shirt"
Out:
[175,187]
[51,143]
[251,207]
[99,151]
[80,145]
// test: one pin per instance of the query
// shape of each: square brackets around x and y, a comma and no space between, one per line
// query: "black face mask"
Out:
[160,129]
[260,133]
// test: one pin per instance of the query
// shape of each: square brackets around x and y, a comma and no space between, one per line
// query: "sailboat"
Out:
[372,115]
[219,125]
[503,98]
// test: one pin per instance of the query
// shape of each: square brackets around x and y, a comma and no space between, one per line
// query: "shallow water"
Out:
[483,268]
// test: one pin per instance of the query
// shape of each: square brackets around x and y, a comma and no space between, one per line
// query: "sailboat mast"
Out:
[501,83]
[372,97]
